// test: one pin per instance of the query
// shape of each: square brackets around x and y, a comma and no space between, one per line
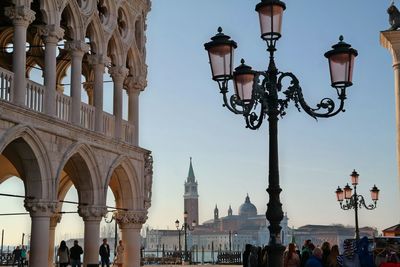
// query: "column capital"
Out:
[40,208]
[391,41]
[135,84]
[51,33]
[148,179]
[98,60]
[20,15]
[118,73]
[92,213]
[131,218]
[77,47]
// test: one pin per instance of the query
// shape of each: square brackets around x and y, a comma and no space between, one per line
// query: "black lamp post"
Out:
[257,95]
[355,201]
[185,228]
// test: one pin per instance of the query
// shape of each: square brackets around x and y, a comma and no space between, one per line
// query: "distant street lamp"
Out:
[230,239]
[256,96]
[185,228]
[355,201]
[113,218]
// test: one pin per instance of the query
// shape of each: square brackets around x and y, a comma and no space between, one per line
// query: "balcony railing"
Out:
[34,100]
[87,116]
[34,96]
[63,106]
[6,80]
[108,124]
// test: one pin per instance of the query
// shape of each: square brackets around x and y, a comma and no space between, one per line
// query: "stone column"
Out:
[98,64]
[118,75]
[88,86]
[40,212]
[51,35]
[54,220]
[130,223]
[391,41]
[77,50]
[92,216]
[134,87]
[21,17]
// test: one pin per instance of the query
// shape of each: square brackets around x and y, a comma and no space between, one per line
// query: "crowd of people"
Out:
[72,257]
[325,255]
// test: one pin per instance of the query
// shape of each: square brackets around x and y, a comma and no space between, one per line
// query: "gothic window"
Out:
[103,10]
[122,23]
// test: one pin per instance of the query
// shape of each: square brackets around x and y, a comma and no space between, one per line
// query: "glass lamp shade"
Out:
[375,193]
[347,192]
[185,214]
[177,224]
[339,194]
[220,52]
[194,223]
[341,64]
[243,77]
[270,13]
[354,177]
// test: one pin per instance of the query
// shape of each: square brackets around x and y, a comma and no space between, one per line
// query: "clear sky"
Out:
[182,115]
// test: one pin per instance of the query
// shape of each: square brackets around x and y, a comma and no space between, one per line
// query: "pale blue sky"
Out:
[182,114]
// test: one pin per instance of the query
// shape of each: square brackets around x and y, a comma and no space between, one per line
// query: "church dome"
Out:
[247,208]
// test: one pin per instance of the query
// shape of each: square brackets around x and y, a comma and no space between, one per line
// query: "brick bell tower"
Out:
[191,197]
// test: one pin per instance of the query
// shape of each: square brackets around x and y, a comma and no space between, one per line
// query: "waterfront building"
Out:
[51,139]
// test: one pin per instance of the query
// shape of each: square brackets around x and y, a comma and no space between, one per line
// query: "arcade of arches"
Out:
[51,140]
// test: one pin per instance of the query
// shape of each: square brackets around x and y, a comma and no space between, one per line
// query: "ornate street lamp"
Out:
[355,201]
[260,94]
[185,228]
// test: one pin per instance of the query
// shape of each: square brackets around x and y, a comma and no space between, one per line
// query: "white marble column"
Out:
[130,223]
[40,212]
[51,35]
[391,41]
[98,64]
[54,220]
[118,75]
[92,216]
[134,87]
[21,17]
[77,50]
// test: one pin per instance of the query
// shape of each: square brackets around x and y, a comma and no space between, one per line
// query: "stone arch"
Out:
[134,62]
[80,165]
[73,22]
[6,37]
[96,35]
[49,11]
[116,50]
[124,183]
[26,152]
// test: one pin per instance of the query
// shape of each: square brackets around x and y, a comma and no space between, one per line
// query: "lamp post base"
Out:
[275,255]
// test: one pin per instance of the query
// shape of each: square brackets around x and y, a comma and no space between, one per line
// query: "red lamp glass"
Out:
[341,64]
[220,52]
[339,194]
[354,177]
[243,77]
[270,13]
[375,193]
[347,192]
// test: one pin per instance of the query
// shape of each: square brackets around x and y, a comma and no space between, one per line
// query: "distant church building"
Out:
[231,232]
[191,196]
